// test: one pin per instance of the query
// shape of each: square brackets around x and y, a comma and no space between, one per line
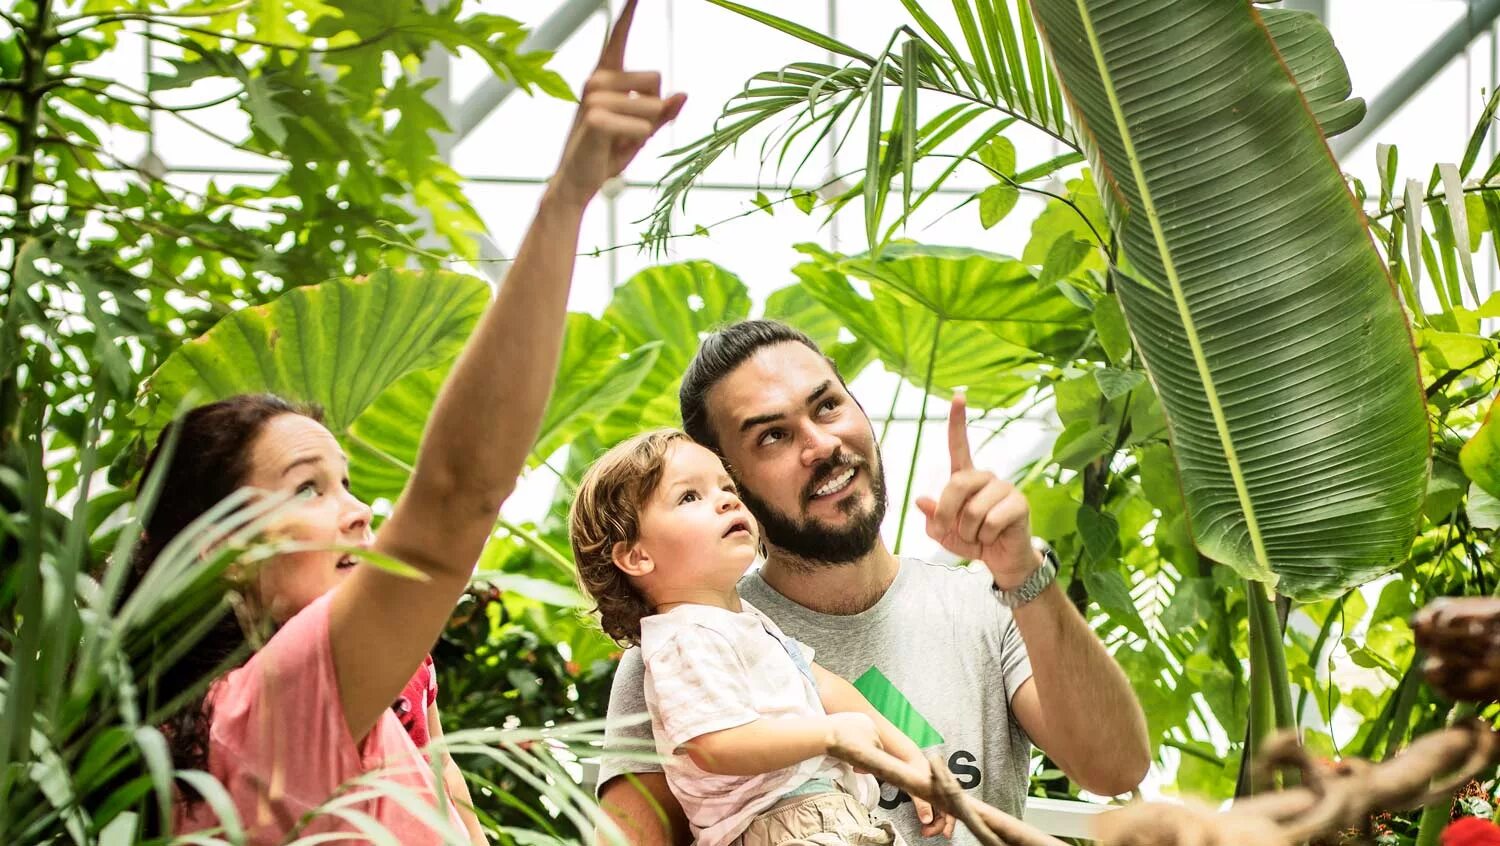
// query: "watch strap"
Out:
[1038,581]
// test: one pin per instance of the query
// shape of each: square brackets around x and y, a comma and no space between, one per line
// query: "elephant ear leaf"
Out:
[1300,438]
[381,342]
[1480,457]
[1308,50]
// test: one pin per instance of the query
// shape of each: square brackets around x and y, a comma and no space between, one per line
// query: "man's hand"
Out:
[619,112]
[934,822]
[979,515]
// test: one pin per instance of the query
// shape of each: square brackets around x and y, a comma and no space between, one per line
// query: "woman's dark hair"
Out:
[209,461]
[718,355]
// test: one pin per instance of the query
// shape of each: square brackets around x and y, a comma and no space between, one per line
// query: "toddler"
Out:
[742,715]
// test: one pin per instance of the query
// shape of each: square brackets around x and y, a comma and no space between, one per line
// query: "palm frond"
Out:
[1001,69]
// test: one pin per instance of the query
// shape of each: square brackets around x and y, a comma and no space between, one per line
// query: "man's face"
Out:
[803,453]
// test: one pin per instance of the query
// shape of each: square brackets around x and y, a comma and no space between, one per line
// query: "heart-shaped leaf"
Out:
[340,344]
[674,304]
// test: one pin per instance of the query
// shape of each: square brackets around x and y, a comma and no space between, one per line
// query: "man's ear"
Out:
[631,559]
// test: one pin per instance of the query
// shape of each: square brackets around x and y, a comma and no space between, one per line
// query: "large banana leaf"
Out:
[1253,291]
[946,318]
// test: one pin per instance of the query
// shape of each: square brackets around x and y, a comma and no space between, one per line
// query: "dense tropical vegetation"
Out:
[1272,389]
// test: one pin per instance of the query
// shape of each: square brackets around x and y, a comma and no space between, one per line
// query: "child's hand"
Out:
[853,730]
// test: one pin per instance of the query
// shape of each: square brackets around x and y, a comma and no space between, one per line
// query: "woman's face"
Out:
[297,455]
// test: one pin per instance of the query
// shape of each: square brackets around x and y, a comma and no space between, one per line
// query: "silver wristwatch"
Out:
[1035,583]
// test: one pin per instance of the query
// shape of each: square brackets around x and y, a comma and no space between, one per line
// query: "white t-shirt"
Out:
[708,669]
[936,654]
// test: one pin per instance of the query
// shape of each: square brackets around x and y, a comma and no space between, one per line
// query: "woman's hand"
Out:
[619,112]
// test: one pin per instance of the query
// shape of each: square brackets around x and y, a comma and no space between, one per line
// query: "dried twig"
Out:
[1334,797]
[991,826]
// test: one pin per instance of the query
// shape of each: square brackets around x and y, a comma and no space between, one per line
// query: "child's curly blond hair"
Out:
[607,511]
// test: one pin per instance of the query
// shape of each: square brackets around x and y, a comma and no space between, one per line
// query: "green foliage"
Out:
[110,265]
[138,267]
[1249,398]
[1108,494]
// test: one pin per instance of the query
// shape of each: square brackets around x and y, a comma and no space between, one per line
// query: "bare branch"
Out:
[992,826]
[1334,797]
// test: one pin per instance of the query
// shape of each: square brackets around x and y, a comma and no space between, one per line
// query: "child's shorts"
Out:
[821,819]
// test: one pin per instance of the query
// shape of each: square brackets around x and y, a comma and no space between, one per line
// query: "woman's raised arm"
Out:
[487,414]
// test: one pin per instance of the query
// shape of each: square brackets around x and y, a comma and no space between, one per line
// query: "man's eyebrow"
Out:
[751,422]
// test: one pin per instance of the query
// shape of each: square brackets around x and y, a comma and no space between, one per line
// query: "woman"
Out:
[311,709]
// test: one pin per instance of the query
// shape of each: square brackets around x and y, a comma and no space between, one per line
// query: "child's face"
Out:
[694,531]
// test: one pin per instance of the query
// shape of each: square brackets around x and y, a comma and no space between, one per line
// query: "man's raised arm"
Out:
[1078,706]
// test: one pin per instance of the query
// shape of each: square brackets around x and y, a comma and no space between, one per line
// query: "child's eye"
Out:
[690,496]
[307,490]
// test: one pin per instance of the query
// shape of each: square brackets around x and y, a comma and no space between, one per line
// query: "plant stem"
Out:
[1261,707]
[33,73]
[916,449]
[1334,613]
[1274,652]
[1435,817]
[889,415]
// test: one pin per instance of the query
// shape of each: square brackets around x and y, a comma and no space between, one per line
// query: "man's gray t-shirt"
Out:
[937,655]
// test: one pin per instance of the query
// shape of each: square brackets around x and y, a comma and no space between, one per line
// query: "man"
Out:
[973,664]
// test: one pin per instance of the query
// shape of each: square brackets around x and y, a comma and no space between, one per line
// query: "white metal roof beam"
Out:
[1444,49]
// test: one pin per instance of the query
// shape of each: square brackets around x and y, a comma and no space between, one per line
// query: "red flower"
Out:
[1471,831]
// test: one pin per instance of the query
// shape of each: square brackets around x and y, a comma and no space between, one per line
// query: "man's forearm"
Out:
[1093,724]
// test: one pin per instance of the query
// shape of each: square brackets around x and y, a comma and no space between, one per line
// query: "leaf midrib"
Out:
[1168,266]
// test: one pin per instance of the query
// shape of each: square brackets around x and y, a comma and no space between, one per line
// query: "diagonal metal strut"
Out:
[550,35]
[1480,15]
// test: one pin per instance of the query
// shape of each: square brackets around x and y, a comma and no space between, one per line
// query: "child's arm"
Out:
[453,780]
[840,697]
[487,414]
[765,745]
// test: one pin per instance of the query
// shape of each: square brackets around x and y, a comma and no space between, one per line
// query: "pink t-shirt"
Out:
[412,705]
[279,743]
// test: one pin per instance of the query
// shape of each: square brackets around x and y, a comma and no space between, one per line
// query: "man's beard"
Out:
[811,540]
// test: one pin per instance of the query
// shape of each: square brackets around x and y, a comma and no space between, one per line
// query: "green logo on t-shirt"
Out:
[894,706]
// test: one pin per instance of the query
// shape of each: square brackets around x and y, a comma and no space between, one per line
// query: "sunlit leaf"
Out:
[1246,339]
